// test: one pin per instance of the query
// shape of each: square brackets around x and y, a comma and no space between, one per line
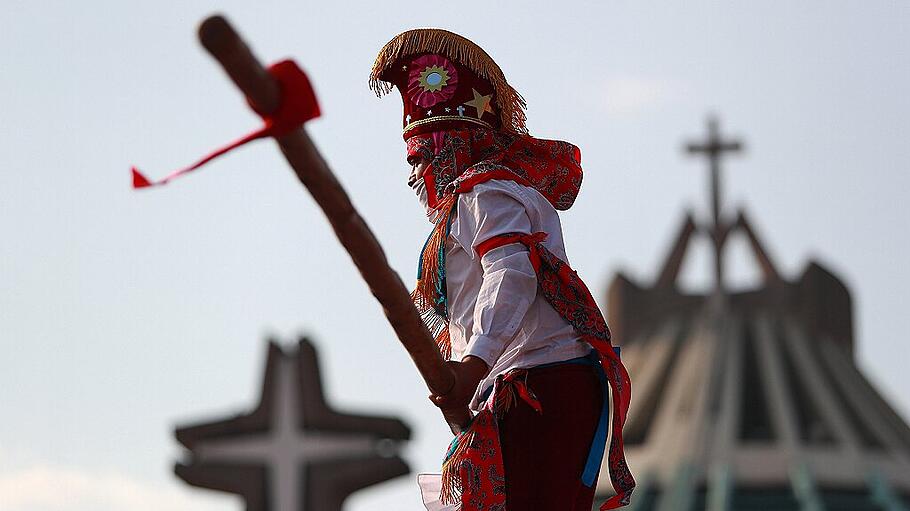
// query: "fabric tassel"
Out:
[451,488]
[436,323]
[429,293]
[505,400]
[444,343]
[434,40]
[473,472]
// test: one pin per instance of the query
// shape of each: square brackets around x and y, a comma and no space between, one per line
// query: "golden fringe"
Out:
[450,489]
[434,40]
[427,284]
[425,290]
[450,486]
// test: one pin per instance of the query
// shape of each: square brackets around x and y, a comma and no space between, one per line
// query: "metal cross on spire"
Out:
[713,148]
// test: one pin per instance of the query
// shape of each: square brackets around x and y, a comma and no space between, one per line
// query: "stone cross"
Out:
[293,452]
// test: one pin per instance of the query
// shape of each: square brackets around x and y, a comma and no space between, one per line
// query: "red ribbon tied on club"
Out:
[298,105]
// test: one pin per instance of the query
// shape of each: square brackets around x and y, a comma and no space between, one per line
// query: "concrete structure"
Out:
[292,452]
[751,400]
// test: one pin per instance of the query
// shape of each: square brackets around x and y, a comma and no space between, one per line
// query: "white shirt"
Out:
[495,310]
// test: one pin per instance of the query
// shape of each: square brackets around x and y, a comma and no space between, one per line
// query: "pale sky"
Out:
[123,314]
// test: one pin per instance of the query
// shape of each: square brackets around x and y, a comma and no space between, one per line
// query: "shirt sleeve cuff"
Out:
[485,348]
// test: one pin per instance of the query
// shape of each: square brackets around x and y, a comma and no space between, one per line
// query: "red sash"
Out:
[474,458]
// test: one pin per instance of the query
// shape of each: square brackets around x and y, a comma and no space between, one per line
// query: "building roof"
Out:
[752,399]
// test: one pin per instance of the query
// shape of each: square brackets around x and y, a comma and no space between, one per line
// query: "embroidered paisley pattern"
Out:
[461,159]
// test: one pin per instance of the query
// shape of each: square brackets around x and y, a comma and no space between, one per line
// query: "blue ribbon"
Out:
[598,445]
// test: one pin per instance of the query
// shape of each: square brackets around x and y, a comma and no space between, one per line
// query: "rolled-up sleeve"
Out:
[509,284]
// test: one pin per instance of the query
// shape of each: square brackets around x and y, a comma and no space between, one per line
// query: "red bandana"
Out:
[461,159]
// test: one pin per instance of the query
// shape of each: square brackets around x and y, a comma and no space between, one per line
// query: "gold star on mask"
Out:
[481,103]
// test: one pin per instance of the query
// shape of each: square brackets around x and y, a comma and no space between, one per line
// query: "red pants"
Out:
[544,454]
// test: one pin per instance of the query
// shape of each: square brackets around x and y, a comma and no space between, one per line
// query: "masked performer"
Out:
[530,349]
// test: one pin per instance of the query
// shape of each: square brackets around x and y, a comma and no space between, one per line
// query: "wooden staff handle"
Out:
[220,39]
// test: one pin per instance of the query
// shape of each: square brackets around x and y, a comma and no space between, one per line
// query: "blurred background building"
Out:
[293,452]
[751,399]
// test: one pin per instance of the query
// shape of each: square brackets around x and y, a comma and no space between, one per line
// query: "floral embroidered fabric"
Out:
[460,159]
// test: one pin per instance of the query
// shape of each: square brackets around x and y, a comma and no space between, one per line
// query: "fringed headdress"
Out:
[446,81]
